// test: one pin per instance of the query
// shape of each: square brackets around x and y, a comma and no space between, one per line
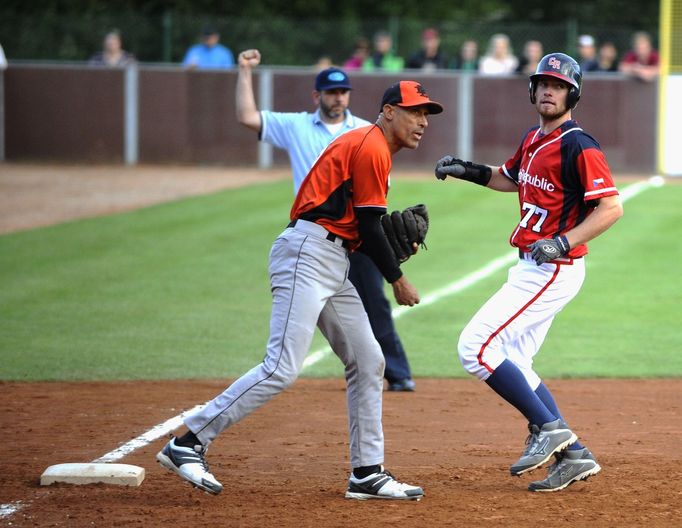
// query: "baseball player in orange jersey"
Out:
[337,209]
[566,198]
[304,136]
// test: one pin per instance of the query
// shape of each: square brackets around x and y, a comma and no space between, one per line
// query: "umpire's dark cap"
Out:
[331,79]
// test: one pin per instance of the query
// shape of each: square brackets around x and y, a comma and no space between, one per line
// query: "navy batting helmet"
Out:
[562,67]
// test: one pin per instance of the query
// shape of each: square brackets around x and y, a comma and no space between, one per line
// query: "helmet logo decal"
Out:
[554,63]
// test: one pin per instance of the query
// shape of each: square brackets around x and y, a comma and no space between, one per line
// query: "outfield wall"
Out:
[168,115]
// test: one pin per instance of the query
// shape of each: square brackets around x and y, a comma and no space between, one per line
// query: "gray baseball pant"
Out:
[309,282]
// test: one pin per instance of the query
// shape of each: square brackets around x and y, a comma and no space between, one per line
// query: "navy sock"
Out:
[546,396]
[365,471]
[509,382]
[189,439]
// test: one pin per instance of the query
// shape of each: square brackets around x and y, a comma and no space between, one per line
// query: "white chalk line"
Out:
[150,436]
[163,429]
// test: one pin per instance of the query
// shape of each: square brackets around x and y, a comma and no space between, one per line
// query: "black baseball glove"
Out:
[404,229]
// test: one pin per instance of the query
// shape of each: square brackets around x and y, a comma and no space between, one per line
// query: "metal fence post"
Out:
[2,115]
[167,23]
[465,113]
[572,37]
[130,114]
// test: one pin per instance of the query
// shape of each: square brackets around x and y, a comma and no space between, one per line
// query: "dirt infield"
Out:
[40,195]
[286,465]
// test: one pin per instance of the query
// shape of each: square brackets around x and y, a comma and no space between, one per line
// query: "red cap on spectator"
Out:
[430,33]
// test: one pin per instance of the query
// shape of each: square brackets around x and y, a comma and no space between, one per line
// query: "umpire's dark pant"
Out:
[369,282]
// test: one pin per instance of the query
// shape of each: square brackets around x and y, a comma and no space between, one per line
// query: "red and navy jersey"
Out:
[560,176]
[352,172]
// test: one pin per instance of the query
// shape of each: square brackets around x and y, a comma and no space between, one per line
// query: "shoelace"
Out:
[529,439]
[201,452]
[390,475]
[387,472]
[558,461]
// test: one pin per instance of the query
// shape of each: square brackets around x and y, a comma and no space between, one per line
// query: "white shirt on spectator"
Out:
[495,66]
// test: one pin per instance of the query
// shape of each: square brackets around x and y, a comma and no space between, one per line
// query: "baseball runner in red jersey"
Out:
[566,198]
[338,209]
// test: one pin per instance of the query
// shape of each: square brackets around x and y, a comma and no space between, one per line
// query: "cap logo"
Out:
[554,63]
[421,91]
[336,76]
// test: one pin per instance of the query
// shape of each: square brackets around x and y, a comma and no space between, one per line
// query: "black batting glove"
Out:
[549,249]
[449,166]
[464,170]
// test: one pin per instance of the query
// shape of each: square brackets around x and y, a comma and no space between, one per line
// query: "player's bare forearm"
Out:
[405,294]
[499,182]
[247,110]
[604,216]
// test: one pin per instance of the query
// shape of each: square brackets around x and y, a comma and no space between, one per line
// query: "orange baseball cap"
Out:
[407,94]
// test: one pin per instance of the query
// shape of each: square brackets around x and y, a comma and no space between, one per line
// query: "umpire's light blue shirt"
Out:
[303,135]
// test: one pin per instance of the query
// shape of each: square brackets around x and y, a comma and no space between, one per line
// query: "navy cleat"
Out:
[570,467]
[541,444]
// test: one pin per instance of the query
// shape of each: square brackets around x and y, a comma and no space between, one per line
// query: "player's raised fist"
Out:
[449,166]
[249,58]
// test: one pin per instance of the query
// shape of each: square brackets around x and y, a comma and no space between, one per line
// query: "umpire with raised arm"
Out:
[304,136]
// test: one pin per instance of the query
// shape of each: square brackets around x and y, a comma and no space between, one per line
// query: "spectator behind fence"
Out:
[642,60]
[607,57]
[209,53]
[430,57]
[382,58]
[3,59]
[467,58]
[112,54]
[323,62]
[587,52]
[532,53]
[499,58]
[360,54]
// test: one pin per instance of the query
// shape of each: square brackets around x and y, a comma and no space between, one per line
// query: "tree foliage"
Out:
[634,15]
[300,31]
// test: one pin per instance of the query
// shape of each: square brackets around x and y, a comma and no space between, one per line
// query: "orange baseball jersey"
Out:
[353,171]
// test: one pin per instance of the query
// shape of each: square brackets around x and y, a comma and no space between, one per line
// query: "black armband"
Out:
[463,170]
[475,173]
[375,244]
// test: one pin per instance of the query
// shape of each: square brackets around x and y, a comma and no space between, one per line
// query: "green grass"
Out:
[181,290]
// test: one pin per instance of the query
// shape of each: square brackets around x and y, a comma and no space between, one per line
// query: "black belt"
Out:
[330,236]
[522,254]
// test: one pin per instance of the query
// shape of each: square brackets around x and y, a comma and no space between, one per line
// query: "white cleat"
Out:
[381,485]
[190,465]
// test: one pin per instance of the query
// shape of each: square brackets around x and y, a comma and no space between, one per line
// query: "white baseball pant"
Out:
[513,323]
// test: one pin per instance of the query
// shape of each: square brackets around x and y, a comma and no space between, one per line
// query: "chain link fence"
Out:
[282,41]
